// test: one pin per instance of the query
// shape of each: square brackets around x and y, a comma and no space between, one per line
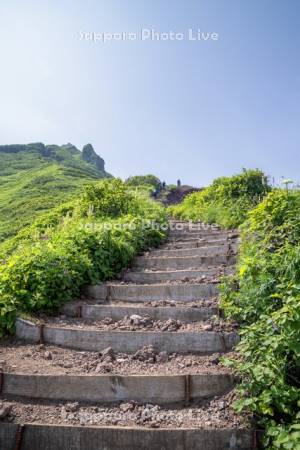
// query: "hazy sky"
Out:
[184,109]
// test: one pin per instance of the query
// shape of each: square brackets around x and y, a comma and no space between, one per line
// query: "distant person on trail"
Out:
[155,192]
[164,185]
[178,183]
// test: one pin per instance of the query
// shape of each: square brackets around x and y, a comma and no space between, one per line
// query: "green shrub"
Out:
[264,296]
[226,201]
[87,241]
[106,198]
[143,180]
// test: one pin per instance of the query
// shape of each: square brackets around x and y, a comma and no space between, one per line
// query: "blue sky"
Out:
[185,109]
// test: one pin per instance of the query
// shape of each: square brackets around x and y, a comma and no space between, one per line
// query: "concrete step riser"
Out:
[158,389]
[190,239]
[194,226]
[195,243]
[140,292]
[126,341]
[202,251]
[160,277]
[201,234]
[161,263]
[51,437]
[99,312]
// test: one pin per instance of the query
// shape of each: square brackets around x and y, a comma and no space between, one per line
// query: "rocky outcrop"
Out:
[89,155]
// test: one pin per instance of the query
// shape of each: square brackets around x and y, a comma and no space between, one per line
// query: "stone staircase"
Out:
[134,364]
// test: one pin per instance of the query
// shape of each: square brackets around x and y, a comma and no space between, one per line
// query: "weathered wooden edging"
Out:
[127,341]
[184,262]
[154,292]
[202,234]
[198,251]
[60,437]
[160,276]
[117,312]
[195,243]
[159,389]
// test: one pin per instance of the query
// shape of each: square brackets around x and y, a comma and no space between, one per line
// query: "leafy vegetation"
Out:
[226,201]
[264,296]
[143,180]
[35,178]
[88,240]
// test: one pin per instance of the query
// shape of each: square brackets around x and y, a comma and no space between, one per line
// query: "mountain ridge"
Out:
[37,177]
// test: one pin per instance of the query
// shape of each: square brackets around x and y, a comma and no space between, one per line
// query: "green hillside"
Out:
[36,177]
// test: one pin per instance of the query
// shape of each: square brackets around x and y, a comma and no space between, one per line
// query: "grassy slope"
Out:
[32,183]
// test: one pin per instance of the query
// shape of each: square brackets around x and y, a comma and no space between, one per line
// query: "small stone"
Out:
[146,414]
[154,424]
[125,407]
[63,413]
[120,360]
[136,319]
[68,365]
[108,320]
[207,327]
[107,352]
[72,407]
[222,405]
[145,354]
[5,410]
[162,357]
[103,367]
[48,355]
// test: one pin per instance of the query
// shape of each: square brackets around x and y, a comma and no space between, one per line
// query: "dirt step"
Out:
[159,389]
[192,240]
[200,251]
[196,243]
[118,312]
[194,237]
[213,413]
[144,292]
[160,276]
[136,323]
[42,359]
[177,263]
[87,338]
[202,234]
[190,225]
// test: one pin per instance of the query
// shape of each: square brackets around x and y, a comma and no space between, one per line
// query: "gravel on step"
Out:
[192,304]
[18,357]
[213,279]
[155,303]
[136,322]
[216,413]
[220,268]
